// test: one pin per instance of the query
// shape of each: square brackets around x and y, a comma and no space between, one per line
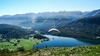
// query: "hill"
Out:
[10,31]
[72,51]
[88,27]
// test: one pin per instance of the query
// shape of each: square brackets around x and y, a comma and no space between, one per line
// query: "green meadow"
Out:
[13,44]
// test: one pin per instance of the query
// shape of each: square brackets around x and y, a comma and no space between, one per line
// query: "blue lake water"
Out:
[58,41]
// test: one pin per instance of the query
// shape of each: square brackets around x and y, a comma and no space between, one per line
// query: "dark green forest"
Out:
[88,27]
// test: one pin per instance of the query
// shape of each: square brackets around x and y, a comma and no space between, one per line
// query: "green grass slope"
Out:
[12,45]
[72,51]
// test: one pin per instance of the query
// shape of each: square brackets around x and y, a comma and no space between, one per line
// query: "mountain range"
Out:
[84,24]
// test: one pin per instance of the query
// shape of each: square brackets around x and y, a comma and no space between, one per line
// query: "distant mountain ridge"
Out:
[46,20]
[19,19]
[93,13]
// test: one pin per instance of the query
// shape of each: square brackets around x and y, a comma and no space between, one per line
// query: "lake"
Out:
[59,41]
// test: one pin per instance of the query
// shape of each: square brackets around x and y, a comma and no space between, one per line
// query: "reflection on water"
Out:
[58,41]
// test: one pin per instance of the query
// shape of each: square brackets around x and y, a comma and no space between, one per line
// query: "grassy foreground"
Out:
[72,51]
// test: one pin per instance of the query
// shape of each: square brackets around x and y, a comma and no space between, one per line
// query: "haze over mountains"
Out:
[20,19]
[63,19]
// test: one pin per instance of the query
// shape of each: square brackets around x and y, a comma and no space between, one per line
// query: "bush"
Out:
[6,50]
[21,48]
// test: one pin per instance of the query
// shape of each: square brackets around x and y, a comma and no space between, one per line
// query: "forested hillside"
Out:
[10,31]
[88,27]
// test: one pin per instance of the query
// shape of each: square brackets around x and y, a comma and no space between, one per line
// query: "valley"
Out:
[62,33]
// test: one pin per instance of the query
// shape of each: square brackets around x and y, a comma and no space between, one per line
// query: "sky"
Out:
[11,7]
